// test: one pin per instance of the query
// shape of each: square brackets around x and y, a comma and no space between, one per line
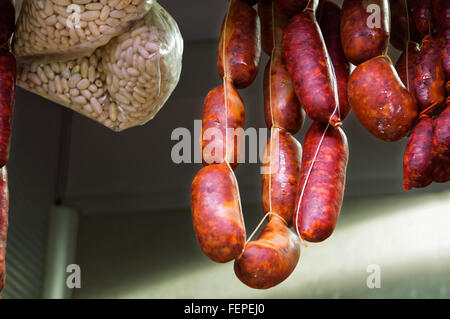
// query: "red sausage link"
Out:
[269,260]
[441,12]
[408,61]
[330,26]
[240,44]
[380,101]
[423,17]
[441,146]
[291,7]
[7,93]
[281,106]
[399,28]
[417,169]
[311,68]
[361,40]
[214,124]
[445,55]
[319,200]
[4,205]
[281,166]
[429,78]
[271,27]
[216,213]
[7,16]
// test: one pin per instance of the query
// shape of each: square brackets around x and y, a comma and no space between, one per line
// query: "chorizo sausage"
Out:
[429,78]
[7,16]
[4,205]
[217,213]
[281,171]
[272,25]
[407,61]
[311,69]
[216,125]
[441,12]
[417,169]
[361,35]
[445,56]
[7,93]
[240,46]
[423,17]
[380,101]
[441,146]
[291,7]
[281,106]
[268,261]
[322,182]
[399,27]
[330,26]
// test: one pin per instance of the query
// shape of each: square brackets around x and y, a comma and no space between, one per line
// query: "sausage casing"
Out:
[429,77]
[219,101]
[417,160]
[423,17]
[441,13]
[291,7]
[311,69]
[272,25]
[441,146]
[362,38]
[7,93]
[330,26]
[268,261]
[399,27]
[407,61]
[4,206]
[281,165]
[320,194]
[281,106]
[380,101]
[216,213]
[240,46]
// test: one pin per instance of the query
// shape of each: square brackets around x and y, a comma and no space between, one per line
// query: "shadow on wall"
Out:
[156,255]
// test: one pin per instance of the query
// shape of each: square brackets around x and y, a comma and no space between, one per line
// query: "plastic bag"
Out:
[120,85]
[67,29]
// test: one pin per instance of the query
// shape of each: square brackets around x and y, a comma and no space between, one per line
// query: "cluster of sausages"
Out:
[307,71]
[425,71]
[7,93]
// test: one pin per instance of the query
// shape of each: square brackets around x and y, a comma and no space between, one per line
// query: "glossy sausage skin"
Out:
[330,25]
[380,101]
[281,106]
[441,146]
[271,28]
[321,201]
[291,7]
[311,69]
[4,205]
[240,37]
[441,12]
[268,261]
[7,15]
[429,78]
[214,122]
[417,169]
[7,93]
[423,17]
[408,61]
[281,171]
[216,213]
[360,41]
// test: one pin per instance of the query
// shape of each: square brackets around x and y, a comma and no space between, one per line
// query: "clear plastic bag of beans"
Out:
[61,29]
[120,85]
